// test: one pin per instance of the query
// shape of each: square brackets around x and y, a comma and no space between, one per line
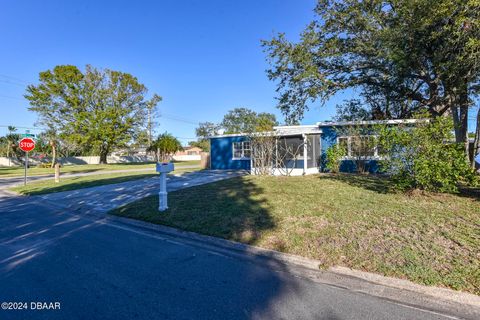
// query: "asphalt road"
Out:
[98,269]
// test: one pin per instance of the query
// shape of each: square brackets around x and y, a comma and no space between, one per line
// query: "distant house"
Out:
[306,145]
[188,154]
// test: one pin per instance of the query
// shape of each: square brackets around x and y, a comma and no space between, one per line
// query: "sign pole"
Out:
[27,145]
[26,165]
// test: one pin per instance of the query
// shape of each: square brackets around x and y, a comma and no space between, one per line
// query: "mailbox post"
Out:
[163,169]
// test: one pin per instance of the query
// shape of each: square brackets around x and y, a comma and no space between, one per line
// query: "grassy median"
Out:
[346,220]
[83,168]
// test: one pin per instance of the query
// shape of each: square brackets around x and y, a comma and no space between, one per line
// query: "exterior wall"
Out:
[189,151]
[186,157]
[221,154]
[329,138]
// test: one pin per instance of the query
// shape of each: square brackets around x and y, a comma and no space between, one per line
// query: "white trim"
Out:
[375,156]
[316,128]
[305,155]
[369,122]
[243,150]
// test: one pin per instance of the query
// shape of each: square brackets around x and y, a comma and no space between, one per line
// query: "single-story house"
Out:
[188,153]
[301,149]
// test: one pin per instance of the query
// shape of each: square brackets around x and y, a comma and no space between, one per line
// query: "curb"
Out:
[441,301]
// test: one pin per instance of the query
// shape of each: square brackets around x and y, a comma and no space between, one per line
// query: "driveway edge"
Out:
[398,291]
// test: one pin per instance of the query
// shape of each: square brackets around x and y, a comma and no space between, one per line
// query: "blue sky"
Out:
[203,57]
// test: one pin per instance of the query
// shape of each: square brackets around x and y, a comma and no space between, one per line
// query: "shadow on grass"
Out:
[382,183]
[377,183]
[172,280]
[70,184]
[234,209]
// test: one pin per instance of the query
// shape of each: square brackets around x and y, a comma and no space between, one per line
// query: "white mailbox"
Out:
[163,169]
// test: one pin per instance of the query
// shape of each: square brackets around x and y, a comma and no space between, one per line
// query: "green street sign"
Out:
[28,135]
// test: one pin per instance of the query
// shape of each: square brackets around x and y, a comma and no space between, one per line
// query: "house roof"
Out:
[368,122]
[317,128]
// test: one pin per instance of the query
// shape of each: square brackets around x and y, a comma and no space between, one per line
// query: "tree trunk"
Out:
[54,155]
[460,122]
[476,143]
[103,154]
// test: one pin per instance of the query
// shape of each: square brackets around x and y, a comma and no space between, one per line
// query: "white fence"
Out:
[13,162]
[188,157]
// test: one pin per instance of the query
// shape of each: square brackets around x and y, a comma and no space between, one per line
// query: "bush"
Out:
[425,156]
[334,155]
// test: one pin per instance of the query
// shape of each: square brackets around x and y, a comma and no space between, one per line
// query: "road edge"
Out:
[398,291]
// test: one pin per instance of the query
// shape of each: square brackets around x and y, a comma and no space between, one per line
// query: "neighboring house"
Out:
[188,154]
[301,149]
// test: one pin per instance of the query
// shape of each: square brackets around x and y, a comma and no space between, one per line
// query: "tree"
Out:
[12,139]
[98,108]
[243,120]
[416,55]
[203,132]
[424,156]
[165,146]
[152,113]
[50,138]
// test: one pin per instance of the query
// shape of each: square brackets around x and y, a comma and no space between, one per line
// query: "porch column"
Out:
[304,154]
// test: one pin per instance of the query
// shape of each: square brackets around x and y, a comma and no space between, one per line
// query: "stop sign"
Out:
[27,144]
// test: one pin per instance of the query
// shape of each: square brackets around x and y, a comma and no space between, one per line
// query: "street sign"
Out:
[28,135]
[27,144]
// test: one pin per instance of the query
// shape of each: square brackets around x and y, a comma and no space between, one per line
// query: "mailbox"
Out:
[163,169]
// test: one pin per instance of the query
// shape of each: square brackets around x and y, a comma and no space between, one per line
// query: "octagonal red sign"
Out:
[27,144]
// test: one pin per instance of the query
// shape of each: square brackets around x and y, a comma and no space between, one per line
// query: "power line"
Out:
[13,83]
[13,78]
[9,97]
[178,118]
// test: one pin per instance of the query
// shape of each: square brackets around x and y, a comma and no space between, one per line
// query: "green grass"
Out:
[345,220]
[66,184]
[35,171]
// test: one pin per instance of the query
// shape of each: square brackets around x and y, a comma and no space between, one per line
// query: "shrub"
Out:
[425,156]
[334,155]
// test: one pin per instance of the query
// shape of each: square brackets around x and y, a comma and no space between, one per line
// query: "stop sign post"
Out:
[27,145]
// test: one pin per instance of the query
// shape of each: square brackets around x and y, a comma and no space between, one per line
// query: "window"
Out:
[241,150]
[359,146]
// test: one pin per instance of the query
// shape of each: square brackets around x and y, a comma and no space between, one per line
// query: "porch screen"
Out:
[313,151]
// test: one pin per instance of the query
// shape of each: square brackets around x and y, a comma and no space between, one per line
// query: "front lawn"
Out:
[346,220]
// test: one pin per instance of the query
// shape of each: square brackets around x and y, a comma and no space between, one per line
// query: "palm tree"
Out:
[52,138]
[12,138]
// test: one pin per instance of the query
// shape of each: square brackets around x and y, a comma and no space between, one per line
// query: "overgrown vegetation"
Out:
[334,155]
[425,156]
[340,219]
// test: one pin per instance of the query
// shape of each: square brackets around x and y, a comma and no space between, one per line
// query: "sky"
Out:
[203,57]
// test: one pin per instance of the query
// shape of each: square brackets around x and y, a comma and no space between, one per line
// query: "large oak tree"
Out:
[98,109]
[402,55]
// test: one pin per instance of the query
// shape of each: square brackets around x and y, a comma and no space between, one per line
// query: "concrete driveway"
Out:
[106,197]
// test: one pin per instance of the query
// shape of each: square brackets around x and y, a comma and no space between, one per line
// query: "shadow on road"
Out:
[99,270]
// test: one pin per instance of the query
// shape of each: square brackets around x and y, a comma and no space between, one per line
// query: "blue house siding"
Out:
[328,138]
[221,154]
